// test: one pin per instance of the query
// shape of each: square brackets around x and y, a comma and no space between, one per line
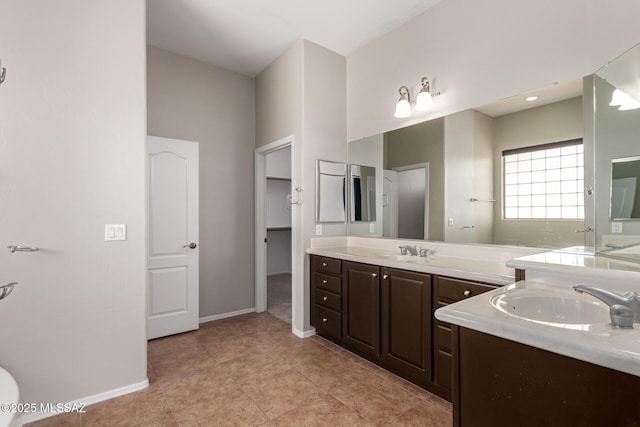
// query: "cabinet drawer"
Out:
[444,373]
[326,265]
[327,299]
[443,333]
[327,322]
[456,290]
[328,283]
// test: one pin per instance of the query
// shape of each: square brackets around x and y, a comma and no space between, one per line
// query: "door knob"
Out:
[191,245]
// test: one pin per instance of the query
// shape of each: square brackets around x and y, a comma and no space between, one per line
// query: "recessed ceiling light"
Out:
[531,98]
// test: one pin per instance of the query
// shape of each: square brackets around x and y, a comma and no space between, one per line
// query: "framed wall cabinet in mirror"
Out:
[362,188]
[625,191]
[330,191]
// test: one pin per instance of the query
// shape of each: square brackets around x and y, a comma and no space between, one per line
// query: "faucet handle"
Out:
[424,252]
[403,250]
[632,295]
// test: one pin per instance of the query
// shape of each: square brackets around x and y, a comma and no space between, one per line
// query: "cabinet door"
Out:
[361,309]
[406,323]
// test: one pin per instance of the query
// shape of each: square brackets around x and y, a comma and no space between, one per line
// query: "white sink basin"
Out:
[562,311]
[396,256]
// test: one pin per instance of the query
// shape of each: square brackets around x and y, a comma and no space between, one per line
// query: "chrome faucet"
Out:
[413,251]
[630,300]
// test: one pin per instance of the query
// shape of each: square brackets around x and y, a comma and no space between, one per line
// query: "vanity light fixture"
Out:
[424,100]
[3,73]
[403,107]
[623,101]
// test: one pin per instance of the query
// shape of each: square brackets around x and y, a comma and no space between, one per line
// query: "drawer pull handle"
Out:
[324,320]
[324,282]
[324,264]
[374,274]
[466,293]
[385,276]
[324,298]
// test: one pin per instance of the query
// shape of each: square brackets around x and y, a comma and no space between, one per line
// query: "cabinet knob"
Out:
[324,298]
[324,320]
[385,276]
[466,293]
[324,264]
[324,281]
[374,274]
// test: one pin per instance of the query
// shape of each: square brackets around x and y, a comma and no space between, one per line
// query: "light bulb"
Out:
[403,109]
[424,101]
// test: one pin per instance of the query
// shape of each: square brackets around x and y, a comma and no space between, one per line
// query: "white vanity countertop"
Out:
[472,262]
[598,343]
[575,264]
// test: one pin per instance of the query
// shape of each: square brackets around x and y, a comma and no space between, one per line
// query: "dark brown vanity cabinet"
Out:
[386,315]
[326,297]
[361,309]
[406,324]
[447,290]
[502,383]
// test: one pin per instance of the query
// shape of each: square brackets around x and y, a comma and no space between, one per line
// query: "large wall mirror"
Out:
[463,177]
[617,156]
[491,168]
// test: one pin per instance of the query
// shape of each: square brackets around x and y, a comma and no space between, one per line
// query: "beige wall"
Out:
[550,123]
[423,143]
[72,140]
[476,52]
[468,159]
[302,93]
[278,92]
[191,100]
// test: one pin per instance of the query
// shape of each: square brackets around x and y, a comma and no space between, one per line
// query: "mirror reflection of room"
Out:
[471,192]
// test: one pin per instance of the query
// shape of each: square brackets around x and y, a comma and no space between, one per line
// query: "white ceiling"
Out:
[548,95]
[247,35]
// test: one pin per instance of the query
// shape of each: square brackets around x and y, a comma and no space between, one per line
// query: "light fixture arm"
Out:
[404,93]
[425,84]
[3,73]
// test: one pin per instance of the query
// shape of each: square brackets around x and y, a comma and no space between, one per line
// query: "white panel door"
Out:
[172,299]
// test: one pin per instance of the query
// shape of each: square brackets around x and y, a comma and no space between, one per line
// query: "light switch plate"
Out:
[450,223]
[113,232]
[372,228]
[318,229]
[616,227]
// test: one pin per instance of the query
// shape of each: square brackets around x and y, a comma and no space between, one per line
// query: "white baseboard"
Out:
[35,416]
[225,315]
[303,334]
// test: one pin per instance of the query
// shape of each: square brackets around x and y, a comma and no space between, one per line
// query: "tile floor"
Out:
[279,296]
[251,371]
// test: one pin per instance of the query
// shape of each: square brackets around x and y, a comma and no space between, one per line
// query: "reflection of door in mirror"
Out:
[389,204]
[412,187]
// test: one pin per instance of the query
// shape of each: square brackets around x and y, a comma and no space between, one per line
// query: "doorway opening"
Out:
[275,229]
[405,202]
